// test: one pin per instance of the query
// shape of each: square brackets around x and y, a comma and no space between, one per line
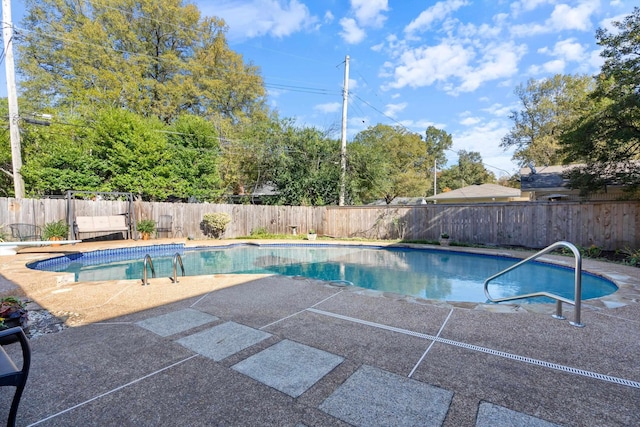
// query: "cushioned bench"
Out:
[10,375]
[102,224]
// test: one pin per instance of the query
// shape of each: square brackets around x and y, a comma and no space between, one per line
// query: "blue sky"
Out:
[453,64]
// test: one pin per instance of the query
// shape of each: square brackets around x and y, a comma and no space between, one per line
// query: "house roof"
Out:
[482,191]
[546,177]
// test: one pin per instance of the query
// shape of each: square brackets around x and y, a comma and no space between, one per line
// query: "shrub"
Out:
[55,230]
[215,223]
[632,256]
[146,226]
[259,231]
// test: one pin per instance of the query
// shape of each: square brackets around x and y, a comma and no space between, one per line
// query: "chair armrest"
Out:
[24,343]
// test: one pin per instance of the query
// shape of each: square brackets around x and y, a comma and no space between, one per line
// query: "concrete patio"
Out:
[270,350]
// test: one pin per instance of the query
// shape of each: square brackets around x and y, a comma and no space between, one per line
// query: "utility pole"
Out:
[12,97]
[435,176]
[343,148]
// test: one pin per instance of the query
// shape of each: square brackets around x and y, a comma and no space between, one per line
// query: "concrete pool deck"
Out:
[270,350]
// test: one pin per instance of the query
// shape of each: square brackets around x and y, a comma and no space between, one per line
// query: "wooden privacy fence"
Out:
[610,225]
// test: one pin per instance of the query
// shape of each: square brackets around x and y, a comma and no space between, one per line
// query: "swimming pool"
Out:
[424,273]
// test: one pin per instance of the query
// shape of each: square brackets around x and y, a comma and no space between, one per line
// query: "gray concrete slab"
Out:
[176,322]
[223,340]
[289,367]
[373,397]
[360,343]
[278,297]
[490,415]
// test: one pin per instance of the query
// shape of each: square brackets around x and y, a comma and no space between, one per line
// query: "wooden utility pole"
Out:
[12,98]
[343,149]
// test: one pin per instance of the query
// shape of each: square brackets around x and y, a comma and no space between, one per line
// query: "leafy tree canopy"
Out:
[154,58]
[607,136]
[548,106]
[469,171]
[387,162]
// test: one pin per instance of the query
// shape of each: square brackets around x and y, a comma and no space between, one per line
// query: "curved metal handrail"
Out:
[177,258]
[147,261]
[559,299]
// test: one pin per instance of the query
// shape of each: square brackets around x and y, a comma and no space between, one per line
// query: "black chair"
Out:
[165,225]
[10,375]
[24,232]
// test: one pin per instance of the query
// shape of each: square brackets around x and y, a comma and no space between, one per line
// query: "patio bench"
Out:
[10,375]
[101,224]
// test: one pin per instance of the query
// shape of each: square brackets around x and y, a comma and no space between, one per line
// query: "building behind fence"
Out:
[609,225]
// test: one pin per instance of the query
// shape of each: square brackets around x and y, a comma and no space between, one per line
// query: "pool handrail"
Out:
[177,258]
[147,261]
[577,302]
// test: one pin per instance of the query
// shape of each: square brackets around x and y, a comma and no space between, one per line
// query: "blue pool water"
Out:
[425,273]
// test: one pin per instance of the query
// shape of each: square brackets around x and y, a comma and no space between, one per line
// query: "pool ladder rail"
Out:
[148,263]
[577,302]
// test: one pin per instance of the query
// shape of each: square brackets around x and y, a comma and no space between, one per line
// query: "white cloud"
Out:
[498,61]
[369,12]
[569,50]
[499,110]
[331,107]
[392,110]
[470,121]
[563,17]
[328,17]
[424,66]
[527,5]
[256,18]
[437,12]
[351,32]
[455,66]
[555,66]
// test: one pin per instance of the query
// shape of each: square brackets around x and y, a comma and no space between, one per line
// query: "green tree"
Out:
[60,157]
[438,141]
[469,171]
[134,153]
[6,165]
[388,162]
[195,148]
[154,58]
[306,170]
[607,137]
[547,107]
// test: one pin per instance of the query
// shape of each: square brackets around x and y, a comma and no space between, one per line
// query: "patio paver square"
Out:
[223,340]
[289,367]
[373,397]
[490,415]
[179,321]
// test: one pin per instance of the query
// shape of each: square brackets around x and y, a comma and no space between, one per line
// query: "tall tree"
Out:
[153,58]
[387,162]
[307,170]
[607,137]
[547,107]
[469,171]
